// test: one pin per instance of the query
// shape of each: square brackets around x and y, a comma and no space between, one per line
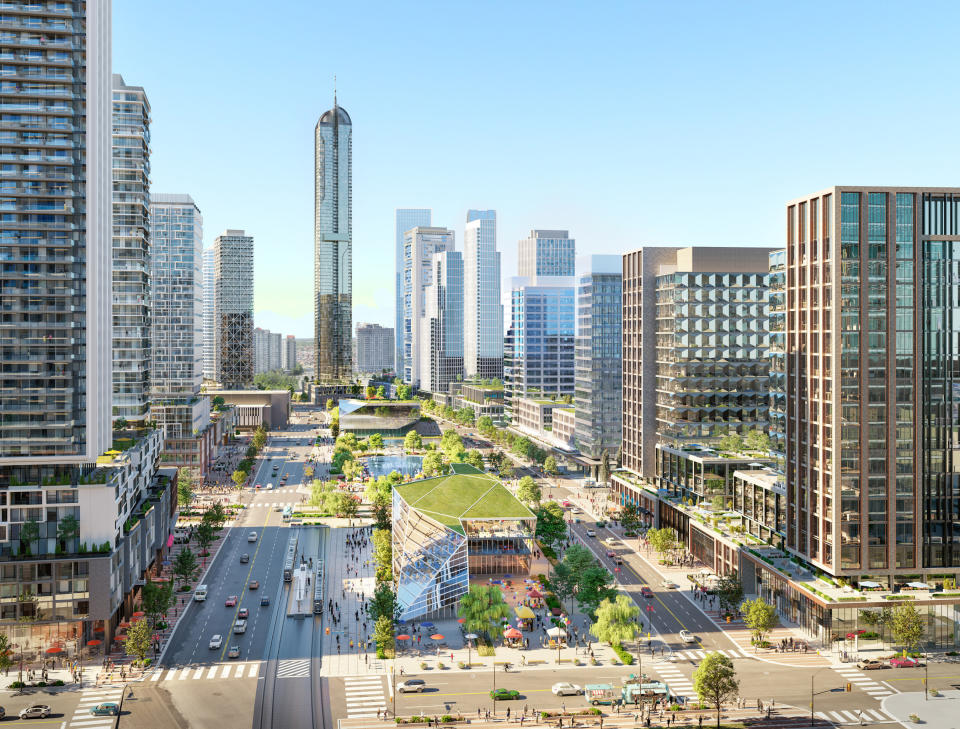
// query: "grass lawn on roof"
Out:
[463,496]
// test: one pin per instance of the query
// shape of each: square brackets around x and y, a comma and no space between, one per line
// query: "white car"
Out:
[591,533]
[216,642]
[611,540]
[252,537]
[687,637]
[566,689]
[670,584]
[240,626]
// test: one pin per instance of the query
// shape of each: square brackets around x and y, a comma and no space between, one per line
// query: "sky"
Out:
[629,124]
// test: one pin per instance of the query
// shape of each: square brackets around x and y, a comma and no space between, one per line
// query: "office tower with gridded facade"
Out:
[131,252]
[406,218]
[482,309]
[208,295]
[441,327]
[333,244]
[547,253]
[419,246]
[233,309]
[375,348]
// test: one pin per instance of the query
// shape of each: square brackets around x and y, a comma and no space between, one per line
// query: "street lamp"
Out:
[470,637]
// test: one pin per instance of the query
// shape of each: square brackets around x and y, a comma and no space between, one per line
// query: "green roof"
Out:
[465,494]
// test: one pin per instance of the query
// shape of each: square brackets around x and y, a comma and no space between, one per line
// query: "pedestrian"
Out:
[860,716]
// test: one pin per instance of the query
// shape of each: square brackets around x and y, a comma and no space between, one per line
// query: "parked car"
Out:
[566,689]
[216,642]
[108,708]
[234,652]
[502,694]
[905,662]
[244,558]
[687,637]
[36,711]
[412,686]
[230,601]
[870,664]
[244,613]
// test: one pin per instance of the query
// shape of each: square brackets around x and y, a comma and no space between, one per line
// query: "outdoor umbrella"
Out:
[124,624]
[98,630]
[403,636]
[461,620]
[556,632]
[471,636]
[95,641]
[120,638]
[426,625]
[512,634]
[534,593]
[139,614]
[436,636]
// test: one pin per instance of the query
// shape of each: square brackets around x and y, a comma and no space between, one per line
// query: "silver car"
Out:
[566,689]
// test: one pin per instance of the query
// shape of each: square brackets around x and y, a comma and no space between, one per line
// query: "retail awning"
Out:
[556,632]
[525,613]
[917,585]
[869,585]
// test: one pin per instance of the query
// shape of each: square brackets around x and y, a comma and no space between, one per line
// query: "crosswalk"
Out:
[90,698]
[858,679]
[271,505]
[293,668]
[363,696]
[217,670]
[699,655]
[679,684]
[851,717]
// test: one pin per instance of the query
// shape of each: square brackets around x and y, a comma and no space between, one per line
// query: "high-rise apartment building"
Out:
[209,359]
[482,309]
[695,348]
[598,390]
[233,309]
[539,346]
[406,218]
[288,356]
[547,253]
[419,245]
[375,348]
[131,252]
[441,327]
[776,324]
[333,244]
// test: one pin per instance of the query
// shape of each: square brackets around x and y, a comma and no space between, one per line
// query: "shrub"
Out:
[59,681]
[446,718]
[461,664]
[595,711]
[440,665]
[623,655]
[423,665]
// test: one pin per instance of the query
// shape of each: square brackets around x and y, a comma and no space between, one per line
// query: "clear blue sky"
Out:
[628,123]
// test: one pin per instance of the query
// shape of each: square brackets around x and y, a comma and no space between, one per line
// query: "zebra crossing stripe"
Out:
[254,670]
[156,675]
[876,714]
[212,672]
[849,715]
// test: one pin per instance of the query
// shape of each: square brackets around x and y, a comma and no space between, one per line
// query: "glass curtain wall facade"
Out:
[598,391]
[131,252]
[419,247]
[547,253]
[441,355]
[233,310]
[333,245]
[406,218]
[209,310]
[482,310]
[777,311]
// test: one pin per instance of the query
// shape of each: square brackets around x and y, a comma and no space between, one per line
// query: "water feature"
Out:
[383,465]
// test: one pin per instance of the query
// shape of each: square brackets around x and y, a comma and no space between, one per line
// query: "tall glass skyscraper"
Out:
[406,218]
[131,252]
[233,309]
[441,327]
[547,253]
[333,245]
[55,234]
[209,310]
[482,309]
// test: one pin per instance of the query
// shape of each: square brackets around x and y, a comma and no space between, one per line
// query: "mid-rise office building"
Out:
[209,286]
[375,348]
[288,358]
[482,309]
[598,386]
[333,244]
[406,218]
[441,327]
[233,309]
[539,346]
[547,253]
[419,246]
[131,252]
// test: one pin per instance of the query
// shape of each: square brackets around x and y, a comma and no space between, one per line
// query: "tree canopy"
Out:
[616,621]
[484,610]
[715,681]
[528,490]
[759,616]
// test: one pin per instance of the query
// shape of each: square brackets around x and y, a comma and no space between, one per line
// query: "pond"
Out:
[383,465]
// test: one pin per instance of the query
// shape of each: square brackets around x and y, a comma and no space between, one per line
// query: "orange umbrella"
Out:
[512,634]
[403,637]
[120,638]
[98,630]
[436,636]
[461,620]
[124,624]
[55,649]
[95,641]
[139,614]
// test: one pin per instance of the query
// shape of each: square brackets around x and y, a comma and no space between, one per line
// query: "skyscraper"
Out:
[333,247]
[209,310]
[598,386]
[419,245]
[482,309]
[288,359]
[375,348]
[233,312]
[546,253]
[406,218]
[441,326]
[131,252]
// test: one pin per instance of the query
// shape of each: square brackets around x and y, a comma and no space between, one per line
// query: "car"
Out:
[872,664]
[502,694]
[240,627]
[687,637]
[108,708]
[230,601]
[591,533]
[611,540]
[243,613]
[611,554]
[234,652]
[244,558]
[646,592]
[566,689]
[254,584]
[258,486]
[264,601]
[252,537]
[36,711]
[905,662]
[286,476]
[669,585]
[216,642]
[412,686]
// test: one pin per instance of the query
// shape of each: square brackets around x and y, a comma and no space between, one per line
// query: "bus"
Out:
[318,589]
[287,512]
[290,559]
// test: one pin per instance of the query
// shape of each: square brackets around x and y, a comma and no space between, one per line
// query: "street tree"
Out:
[475,459]
[404,392]
[528,490]
[216,515]
[184,487]
[381,392]
[383,555]
[383,636]
[375,441]
[185,566]
[433,465]
[384,603]
[343,505]
[616,621]
[603,474]
[593,587]
[370,392]
[729,591]
[550,465]
[329,404]
[662,540]
[205,536]
[551,526]
[484,610]
[630,518]
[139,640]
[155,599]
[381,511]
[715,681]
[907,626]
[760,617]
[6,653]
